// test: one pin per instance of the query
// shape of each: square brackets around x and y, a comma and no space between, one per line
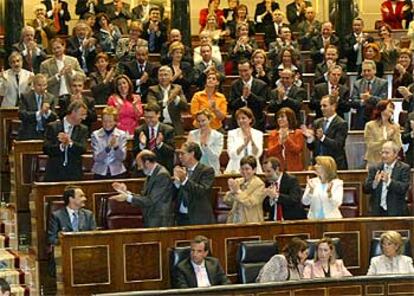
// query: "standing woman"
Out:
[389,48]
[108,34]
[380,130]
[243,47]
[403,73]
[213,8]
[244,141]
[109,147]
[183,73]
[325,264]
[324,193]
[101,81]
[286,141]
[241,16]
[246,194]
[128,104]
[210,141]
[286,266]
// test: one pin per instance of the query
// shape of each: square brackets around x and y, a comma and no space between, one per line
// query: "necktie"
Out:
[29,59]
[56,20]
[17,89]
[39,124]
[75,222]
[66,160]
[278,215]
[383,202]
[369,86]
[152,141]
[325,125]
[359,55]
[151,42]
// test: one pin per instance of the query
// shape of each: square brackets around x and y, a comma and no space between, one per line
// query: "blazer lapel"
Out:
[82,220]
[68,223]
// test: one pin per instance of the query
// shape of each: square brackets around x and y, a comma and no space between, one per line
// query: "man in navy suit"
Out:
[200,269]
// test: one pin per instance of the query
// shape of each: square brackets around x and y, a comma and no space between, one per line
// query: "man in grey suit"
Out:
[73,217]
[194,182]
[388,183]
[366,93]
[157,194]
[170,97]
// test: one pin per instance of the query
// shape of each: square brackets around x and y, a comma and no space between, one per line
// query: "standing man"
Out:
[171,99]
[200,269]
[388,183]
[329,133]
[58,12]
[157,194]
[155,136]
[155,30]
[248,91]
[295,13]
[320,42]
[119,14]
[194,182]
[308,28]
[283,201]
[354,44]
[65,142]
[73,217]
[36,110]
[89,6]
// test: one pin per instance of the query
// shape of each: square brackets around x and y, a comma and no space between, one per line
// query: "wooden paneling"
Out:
[145,244]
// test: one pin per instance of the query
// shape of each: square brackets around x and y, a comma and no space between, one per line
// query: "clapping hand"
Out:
[64,138]
[121,188]
[159,139]
[310,184]
[246,92]
[45,108]
[179,174]
[319,133]
[142,138]
[233,185]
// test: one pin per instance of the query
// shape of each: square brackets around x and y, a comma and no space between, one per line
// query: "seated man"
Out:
[283,201]
[366,93]
[388,183]
[171,99]
[199,270]
[273,30]
[73,217]
[320,42]
[156,195]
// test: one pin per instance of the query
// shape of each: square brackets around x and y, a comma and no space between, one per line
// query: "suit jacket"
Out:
[82,7]
[397,189]
[322,89]
[322,68]
[8,86]
[290,196]
[317,46]
[334,142]
[27,114]
[91,115]
[155,94]
[256,101]
[197,194]
[306,33]
[64,15]
[121,19]
[294,98]
[159,37]
[407,139]
[100,91]
[187,77]
[50,69]
[270,32]
[133,71]
[290,152]
[379,91]
[349,51]
[111,159]
[315,270]
[156,198]
[246,204]
[86,60]
[293,17]
[267,20]
[165,153]
[381,265]
[60,221]
[185,277]
[32,64]
[55,170]
[200,77]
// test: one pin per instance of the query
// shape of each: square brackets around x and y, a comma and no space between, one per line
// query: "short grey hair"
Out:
[392,145]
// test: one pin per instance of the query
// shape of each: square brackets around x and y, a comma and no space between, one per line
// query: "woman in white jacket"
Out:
[325,192]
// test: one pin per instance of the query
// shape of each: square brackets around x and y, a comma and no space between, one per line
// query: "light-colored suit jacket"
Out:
[211,152]
[247,205]
[8,86]
[235,139]
[385,265]
[50,69]
[320,200]
[112,159]
[315,270]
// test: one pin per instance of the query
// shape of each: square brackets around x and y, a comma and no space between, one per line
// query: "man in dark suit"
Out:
[157,194]
[354,44]
[333,88]
[308,28]
[388,183]
[263,14]
[154,30]
[65,142]
[206,65]
[331,57]
[89,6]
[170,97]
[274,29]
[73,217]
[141,72]
[200,269]
[36,110]
[366,93]
[119,14]
[155,136]
[248,91]
[329,133]
[284,196]
[57,10]
[287,94]
[407,137]
[295,13]
[82,46]
[320,42]
[175,35]
[194,182]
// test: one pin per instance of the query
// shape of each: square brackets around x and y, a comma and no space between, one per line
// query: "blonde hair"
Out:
[329,166]
[176,45]
[393,237]
[110,111]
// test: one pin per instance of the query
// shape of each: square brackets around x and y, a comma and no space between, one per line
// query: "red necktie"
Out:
[56,21]
[152,141]
[279,211]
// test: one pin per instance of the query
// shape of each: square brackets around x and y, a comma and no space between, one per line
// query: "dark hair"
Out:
[102,14]
[274,162]
[244,61]
[4,286]
[237,10]
[246,111]
[75,106]
[130,86]
[292,249]
[250,160]
[381,106]
[387,27]
[202,239]
[193,147]
[147,155]
[292,55]
[291,117]
[69,192]
[155,7]
[332,99]
[102,55]
[152,106]
[331,245]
